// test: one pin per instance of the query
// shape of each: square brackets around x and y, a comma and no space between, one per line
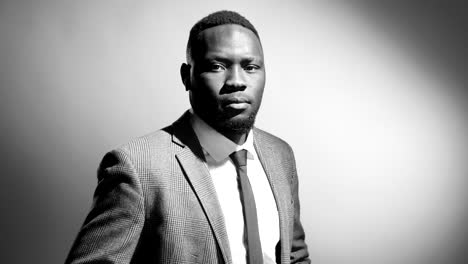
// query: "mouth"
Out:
[238,106]
[236,103]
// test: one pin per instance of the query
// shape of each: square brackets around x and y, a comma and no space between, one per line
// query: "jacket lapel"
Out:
[192,161]
[271,162]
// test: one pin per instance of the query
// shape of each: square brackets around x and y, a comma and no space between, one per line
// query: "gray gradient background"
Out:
[370,96]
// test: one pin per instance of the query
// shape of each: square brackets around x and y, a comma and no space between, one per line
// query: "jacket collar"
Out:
[192,162]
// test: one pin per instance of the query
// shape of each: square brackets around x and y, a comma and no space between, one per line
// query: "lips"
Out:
[235,100]
[237,103]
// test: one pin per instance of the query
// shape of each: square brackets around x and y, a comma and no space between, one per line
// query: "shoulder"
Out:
[158,146]
[267,139]
[275,150]
[152,140]
[146,147]
[141,156]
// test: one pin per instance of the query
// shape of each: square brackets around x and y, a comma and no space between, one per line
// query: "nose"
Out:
[235,79]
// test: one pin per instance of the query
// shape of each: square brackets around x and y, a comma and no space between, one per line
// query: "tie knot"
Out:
[239,157]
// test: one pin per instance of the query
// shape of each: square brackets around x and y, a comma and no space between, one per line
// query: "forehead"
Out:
[230,40]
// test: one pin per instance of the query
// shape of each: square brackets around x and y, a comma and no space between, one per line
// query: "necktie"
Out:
[254,247]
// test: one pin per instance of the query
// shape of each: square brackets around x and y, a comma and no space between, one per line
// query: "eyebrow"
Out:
[224,59]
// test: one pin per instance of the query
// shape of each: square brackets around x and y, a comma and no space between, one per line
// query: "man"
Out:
[184,194]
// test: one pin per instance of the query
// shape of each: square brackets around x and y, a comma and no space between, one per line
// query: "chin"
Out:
[240,124]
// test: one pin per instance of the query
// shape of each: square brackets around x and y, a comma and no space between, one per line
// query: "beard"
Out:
[228,122]
[235,125]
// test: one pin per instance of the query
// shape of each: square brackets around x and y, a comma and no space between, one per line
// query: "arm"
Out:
[299,252]
[112,228]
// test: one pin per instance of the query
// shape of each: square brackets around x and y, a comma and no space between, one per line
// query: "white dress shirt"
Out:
[217,149]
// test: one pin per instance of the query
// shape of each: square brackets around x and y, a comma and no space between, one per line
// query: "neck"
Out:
[237,138]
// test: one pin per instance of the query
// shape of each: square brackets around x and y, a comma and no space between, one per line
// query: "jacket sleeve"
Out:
[112,228]
[299,252]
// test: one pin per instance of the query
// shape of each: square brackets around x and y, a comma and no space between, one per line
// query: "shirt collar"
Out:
[217,145]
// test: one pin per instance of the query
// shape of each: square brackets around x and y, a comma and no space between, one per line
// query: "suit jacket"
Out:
[155,202]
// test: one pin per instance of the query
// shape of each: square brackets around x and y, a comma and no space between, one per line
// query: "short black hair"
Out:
[218,18]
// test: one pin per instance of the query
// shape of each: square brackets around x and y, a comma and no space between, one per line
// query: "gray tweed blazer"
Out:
[155,203]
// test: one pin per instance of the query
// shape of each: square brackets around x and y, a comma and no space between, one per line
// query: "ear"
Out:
[185,75]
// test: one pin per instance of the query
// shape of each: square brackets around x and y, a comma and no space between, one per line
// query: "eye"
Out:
[251,68]
[216,67]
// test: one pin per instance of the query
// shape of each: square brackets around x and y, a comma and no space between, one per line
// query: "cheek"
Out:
[211,83]
[258,85]
[206,91]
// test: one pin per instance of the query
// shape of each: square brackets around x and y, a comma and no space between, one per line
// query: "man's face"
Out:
[227,78]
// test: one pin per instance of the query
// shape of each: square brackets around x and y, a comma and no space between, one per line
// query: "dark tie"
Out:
[254,247]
